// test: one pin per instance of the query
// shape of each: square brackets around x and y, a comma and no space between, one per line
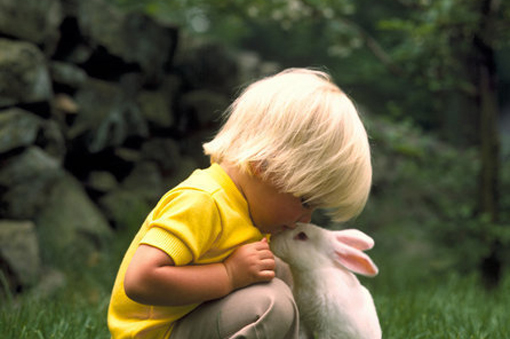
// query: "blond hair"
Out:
[308,137]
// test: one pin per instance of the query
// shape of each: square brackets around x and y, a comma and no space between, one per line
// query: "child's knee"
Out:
[281,301]
[274,310]
[267,308]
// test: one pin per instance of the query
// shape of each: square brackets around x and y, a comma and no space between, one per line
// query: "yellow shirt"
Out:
[202,220]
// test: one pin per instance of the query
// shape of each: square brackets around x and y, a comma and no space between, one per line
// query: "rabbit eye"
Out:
[301,236]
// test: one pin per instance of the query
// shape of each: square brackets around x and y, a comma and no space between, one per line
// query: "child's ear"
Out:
[257,168]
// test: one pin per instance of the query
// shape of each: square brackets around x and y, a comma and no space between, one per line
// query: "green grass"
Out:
[415,300]
[78,310]
[56,318]
[411,304]
[63,316]
[443,307]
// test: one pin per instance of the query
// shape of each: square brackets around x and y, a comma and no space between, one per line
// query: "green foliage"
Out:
[424,205]
[433,42]
[418,55]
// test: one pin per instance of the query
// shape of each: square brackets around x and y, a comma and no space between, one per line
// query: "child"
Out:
[200,266]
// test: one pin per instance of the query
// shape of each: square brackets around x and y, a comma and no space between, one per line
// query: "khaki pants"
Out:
[265,310]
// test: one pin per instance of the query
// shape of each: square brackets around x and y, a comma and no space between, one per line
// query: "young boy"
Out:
[200,266]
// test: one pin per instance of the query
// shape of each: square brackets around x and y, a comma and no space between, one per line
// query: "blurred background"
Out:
[104,105]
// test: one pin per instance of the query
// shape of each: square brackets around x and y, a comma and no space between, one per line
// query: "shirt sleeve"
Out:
[184,225]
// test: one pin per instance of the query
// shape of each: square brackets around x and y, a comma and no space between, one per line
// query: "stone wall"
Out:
[101,112]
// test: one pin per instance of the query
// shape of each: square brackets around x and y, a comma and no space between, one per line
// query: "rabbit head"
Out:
[309,246]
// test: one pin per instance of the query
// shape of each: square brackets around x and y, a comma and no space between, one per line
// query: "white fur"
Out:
[331,301]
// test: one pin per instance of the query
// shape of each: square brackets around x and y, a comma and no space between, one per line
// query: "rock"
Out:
[65,104]
[207,66]
[27,180]
[36,21]
[25,75]
[203,108]
[156,108]
[163,151]
[184,168]
[128,155]
[50,281]
[67,74]
[69,223]
[145,181]
[127,207]
[52,140]
[97,99]
[94,127]
[18,128]
[102,182]
[133,37]
[125,210]
[108,116]
[19,251]
[192,145]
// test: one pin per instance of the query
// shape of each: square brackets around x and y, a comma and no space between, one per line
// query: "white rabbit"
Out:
[331,301]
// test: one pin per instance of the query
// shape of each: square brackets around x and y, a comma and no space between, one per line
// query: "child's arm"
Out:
[153,279]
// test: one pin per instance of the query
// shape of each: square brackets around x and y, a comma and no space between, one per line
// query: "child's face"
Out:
[272,211]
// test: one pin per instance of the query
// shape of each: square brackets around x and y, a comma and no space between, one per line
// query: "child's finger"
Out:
[267,275]
[261,245]
[268,264]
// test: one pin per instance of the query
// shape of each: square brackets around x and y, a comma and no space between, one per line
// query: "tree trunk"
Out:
[489,143]
[489,137]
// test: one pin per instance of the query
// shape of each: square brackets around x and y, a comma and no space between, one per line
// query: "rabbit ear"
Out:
[355,238]
[354,259]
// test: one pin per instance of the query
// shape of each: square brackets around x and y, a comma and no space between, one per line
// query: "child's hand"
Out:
[250,264]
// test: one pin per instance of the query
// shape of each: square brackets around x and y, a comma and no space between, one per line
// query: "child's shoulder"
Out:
[202,188]
[207,180]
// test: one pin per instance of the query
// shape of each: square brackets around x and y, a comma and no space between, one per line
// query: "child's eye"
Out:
[305,204]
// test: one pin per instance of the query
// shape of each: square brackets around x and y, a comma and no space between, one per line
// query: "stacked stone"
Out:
[100,114]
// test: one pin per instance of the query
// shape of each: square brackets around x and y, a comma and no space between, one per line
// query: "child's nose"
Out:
[306,217]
